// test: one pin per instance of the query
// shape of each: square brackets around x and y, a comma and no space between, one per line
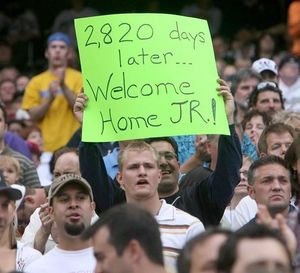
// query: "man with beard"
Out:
[267,97]
[40,232]
[242,87]
[71,206]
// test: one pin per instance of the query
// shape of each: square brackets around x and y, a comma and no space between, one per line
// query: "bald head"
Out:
[66,163]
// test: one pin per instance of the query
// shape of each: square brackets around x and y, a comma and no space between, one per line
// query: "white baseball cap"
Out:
[264,64]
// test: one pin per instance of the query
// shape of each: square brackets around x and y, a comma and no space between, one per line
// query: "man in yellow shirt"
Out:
[49,96]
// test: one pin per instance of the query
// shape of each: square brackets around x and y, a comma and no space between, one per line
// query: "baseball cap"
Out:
[12,193]
[22,189]
[264,64]
[65,179]
[59,36]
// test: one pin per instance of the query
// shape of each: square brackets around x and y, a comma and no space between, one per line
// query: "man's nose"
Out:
[276,184]
[162,160]
[142,169]
[283,149]
[73,202]
[271,105]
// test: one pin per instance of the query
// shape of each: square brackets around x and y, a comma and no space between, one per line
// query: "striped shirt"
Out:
[176,228]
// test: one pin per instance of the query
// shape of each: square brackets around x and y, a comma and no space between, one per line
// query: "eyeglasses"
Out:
[168,155]
[266,84]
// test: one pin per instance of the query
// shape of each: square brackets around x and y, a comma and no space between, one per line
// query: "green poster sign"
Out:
[148,75]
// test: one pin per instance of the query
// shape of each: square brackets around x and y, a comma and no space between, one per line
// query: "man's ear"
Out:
[93,205]
[120,180]
[29,199]
[50,211]
[251,191]
[133,251]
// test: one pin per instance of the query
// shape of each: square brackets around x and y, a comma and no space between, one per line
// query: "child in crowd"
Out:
[10,168]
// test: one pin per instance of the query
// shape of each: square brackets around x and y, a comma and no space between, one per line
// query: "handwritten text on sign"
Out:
[148,75]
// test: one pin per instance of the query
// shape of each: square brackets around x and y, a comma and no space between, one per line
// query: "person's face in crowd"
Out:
[72,209]
[36,137]
[289,72]
[169,166]
[220,47]
[140,175]
[254,128]
[242,187]
[9,73]
[67,163]
[272,187]
[7,212]
[107,258]
[277,144]
[3,125]
[201,149]
[16,128]
[264,254]
[229,73]
[208,251]
[57,53]
[22,82]
[10,172]
[270,76]
[7,91]
[267,43]
[268,102]
[243,92]
[30,204]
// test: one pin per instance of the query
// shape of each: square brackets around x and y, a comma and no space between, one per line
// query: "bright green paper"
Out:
[148,75]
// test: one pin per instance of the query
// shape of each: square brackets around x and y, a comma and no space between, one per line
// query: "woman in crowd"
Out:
[253,124]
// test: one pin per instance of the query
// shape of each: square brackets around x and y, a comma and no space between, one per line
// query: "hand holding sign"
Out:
[148,75]
[79,105]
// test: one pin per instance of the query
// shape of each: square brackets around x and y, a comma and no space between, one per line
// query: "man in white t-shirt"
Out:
[71,206]
[40,230]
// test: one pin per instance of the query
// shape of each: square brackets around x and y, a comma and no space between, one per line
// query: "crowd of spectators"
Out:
[195,203]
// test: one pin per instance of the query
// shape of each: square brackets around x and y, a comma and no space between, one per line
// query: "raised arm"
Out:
[226,176]
[92,166]
[208,198]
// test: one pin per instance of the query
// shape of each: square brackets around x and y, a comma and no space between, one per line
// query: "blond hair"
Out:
[10,160]
[136,146]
